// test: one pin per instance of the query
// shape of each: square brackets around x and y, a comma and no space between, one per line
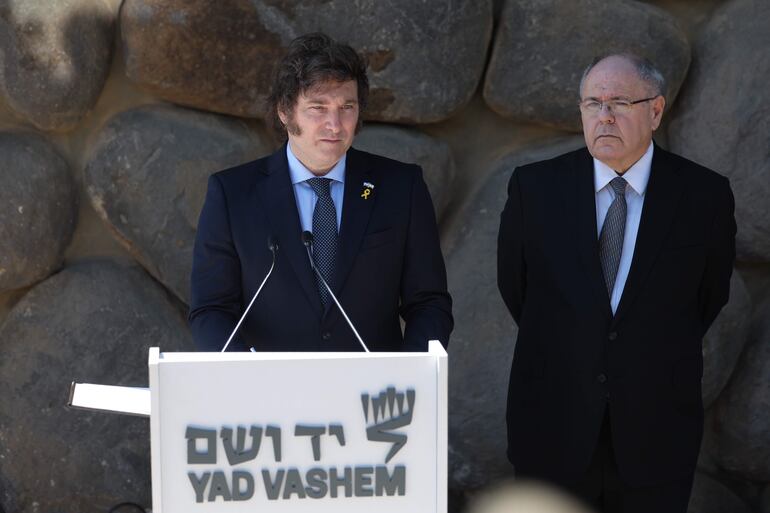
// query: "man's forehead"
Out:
[613,80]
[331,89]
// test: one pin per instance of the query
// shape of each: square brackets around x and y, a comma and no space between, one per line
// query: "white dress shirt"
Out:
[304,195]
[637,177]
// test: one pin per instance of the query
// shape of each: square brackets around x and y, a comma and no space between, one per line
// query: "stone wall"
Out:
[112,116]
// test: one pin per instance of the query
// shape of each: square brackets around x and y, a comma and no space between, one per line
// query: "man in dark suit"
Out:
[375,239]
[614,261]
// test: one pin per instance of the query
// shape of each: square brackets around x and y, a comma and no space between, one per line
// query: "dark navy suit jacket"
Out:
[574,359]
[389,262]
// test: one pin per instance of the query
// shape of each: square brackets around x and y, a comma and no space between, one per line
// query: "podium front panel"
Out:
[283,432]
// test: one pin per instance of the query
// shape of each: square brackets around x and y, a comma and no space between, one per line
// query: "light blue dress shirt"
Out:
[304,195]
[637,177]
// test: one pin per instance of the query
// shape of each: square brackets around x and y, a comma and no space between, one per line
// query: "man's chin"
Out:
[606,153]
[332,157]
[608,146]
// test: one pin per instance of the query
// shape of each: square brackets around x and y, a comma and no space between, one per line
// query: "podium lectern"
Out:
[292,432]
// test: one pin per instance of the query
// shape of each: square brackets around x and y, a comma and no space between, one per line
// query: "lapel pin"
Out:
[368,188]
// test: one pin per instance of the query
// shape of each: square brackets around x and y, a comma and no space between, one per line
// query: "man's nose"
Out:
[333,120]
[605,113]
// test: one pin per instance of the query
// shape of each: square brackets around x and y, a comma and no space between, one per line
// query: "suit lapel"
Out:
[355,215]
[277,194]
[587,237]
[660,204]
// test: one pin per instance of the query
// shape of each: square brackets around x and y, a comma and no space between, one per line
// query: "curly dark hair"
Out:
[311,60]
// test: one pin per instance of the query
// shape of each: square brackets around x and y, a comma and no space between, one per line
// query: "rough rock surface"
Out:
[38,209]
[725,340]
[543,46]
[54,58]
[743,408]
[415,147]
[147,179]
[94,323]
[724,122]
[711,496]
[482,343]
[425,59]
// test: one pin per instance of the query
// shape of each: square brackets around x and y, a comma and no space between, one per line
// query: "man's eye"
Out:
[621,103]
[592,105]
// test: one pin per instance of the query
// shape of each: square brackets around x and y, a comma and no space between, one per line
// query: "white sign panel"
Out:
[295,432]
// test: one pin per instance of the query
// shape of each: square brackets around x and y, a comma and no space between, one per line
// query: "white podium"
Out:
[292,432]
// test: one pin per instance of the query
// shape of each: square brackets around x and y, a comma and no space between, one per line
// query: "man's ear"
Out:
[282,116]
[658,106]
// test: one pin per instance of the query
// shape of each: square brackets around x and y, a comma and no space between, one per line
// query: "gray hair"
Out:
[646,70]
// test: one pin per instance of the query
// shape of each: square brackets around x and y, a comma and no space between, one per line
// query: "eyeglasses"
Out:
[615,106]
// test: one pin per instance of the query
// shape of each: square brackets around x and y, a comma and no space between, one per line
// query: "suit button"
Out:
[326,335]
[601,378]
[613,335]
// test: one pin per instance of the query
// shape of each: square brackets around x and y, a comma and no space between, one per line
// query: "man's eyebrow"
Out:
[594,98]
[320,101]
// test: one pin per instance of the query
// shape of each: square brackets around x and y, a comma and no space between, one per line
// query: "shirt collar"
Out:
[299,173]
[637,175]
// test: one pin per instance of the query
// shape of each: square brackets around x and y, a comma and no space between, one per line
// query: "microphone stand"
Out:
[272,245]
[307,240]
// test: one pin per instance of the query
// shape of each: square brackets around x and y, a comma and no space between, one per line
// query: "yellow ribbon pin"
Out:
[366,193]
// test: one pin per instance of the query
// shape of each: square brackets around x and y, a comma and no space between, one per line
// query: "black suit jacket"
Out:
[573,358]
[389,262]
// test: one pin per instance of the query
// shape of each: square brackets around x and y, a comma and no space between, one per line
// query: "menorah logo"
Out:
[388,412]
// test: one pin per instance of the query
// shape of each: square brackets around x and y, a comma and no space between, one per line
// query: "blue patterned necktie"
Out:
[613,230]
[325,239]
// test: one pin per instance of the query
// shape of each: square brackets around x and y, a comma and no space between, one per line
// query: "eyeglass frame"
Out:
[603,103]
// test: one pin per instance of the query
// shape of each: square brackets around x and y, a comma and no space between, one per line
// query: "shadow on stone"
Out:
[93,322]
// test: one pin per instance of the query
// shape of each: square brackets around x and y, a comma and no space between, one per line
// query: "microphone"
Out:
[307,240]
[272,245]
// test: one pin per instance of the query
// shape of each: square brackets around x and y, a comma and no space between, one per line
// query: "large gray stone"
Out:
[483,340]
[711,496]
[543,46]
[414,147]
[743,408]
[93,322]
[725,339]
[54,58]
[147,180]
[425,59]
[723,120]
[38,209]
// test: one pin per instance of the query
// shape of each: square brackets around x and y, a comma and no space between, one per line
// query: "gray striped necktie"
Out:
[325,238]
[611,238]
